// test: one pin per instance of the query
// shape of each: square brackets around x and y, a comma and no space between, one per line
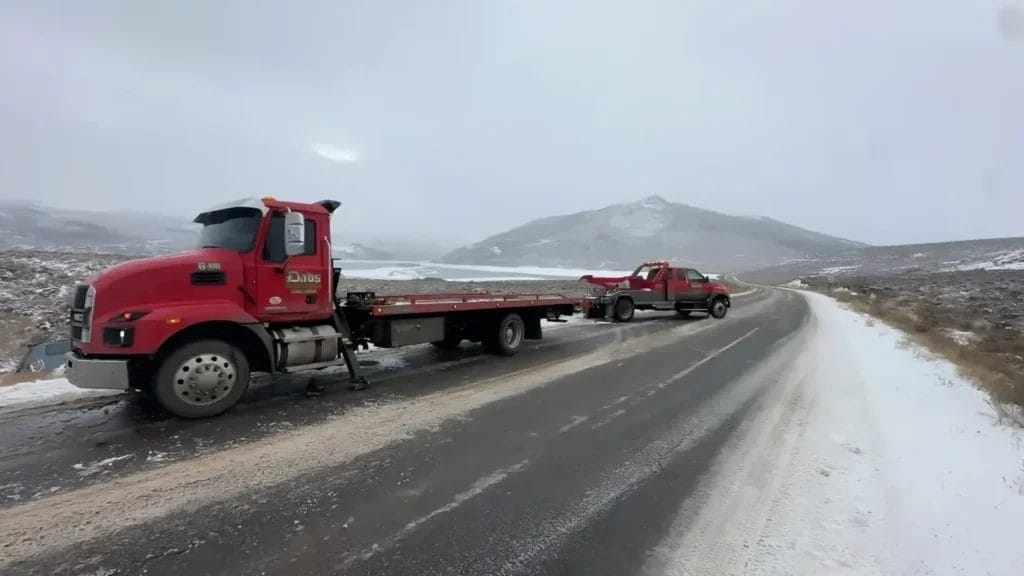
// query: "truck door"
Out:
[661,283]
[295,288]
[696,290]
[678,285]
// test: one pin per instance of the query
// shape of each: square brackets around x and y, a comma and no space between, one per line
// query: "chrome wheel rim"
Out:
[204,379]
[719,308]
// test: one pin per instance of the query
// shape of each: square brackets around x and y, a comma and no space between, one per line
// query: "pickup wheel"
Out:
[624,309]
[506,336]
[201,379]
[718,308]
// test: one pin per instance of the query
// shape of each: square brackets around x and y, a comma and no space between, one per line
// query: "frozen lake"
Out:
[409,270]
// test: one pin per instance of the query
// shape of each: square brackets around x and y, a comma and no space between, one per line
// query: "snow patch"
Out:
[495,250]
[45,393]
[1005,260]
[796,283]
[97,467]
[838,269]
[962,337]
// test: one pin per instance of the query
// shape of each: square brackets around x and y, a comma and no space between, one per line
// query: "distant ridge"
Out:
[620,235]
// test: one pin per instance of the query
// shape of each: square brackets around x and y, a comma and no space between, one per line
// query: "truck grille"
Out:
[81,313]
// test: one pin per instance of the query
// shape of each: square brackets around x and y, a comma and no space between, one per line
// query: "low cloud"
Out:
[1011,22]
[335,153]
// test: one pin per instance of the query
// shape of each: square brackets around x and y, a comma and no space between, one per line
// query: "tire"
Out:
[201,379]
[506,336]
[718,308]
[624,310]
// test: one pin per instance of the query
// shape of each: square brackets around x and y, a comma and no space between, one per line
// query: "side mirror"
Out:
[294,233]
[706,279]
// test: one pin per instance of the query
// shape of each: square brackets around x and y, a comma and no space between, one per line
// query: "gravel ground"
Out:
[974,300]
[35,292]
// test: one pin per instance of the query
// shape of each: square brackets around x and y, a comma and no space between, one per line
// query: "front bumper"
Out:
[96,373]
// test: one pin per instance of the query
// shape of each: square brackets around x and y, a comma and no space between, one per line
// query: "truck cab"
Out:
[657,285]
[260,265]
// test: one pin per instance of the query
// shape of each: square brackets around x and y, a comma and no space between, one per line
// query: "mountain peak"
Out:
[653,202]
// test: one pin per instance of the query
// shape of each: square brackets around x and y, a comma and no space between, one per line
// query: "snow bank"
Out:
[796,283]
[44,393]
[904,467]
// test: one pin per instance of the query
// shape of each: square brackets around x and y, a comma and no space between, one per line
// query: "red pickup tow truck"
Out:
[260,295]
[657,286]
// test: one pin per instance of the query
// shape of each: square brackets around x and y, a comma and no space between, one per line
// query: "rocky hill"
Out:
[620,235]
[940,257]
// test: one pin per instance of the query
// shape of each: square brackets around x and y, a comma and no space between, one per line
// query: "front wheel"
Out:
[201,379]
[718,308]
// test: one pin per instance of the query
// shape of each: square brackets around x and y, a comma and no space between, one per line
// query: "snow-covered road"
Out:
[872,457]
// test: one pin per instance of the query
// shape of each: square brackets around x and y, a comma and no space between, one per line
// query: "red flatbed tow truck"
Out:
[260,294]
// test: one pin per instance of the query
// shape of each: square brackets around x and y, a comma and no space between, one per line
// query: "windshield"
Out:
[234,229]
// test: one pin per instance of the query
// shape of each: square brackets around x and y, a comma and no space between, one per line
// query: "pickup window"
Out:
[694,276]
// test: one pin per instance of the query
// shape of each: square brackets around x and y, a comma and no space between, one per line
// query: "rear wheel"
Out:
[506,336]
[718,308]
[201,379]
[624,310]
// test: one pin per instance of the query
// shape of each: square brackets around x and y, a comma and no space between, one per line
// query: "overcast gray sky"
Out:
[881,121]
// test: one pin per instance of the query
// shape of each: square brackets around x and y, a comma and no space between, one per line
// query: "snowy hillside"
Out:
[27,225]
[618,236]
[1005,254]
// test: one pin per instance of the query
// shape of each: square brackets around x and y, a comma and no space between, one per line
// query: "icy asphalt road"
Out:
[585,454]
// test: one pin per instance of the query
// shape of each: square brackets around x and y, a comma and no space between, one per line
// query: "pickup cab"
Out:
[657,286]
